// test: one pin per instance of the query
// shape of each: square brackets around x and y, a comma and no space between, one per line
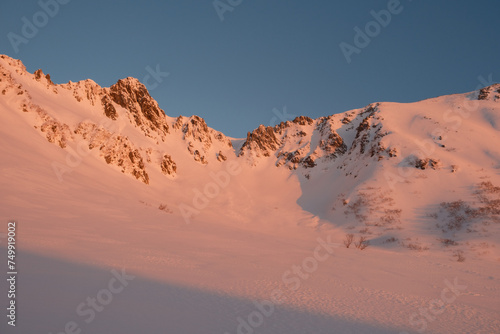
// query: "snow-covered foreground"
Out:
[243,246]
[205,277]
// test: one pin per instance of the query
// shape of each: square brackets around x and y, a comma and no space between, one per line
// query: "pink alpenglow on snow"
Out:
[383,219]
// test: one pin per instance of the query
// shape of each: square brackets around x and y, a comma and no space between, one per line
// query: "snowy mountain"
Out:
[89,171]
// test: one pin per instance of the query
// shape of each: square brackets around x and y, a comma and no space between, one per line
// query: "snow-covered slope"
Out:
[101,178]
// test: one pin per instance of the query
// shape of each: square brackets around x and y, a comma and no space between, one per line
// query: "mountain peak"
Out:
[16,64]
[39,75]
[133,96]
[123,122]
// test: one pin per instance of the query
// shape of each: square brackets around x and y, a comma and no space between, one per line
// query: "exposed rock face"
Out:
[134,97]
[126,102]
[425,163]
[363,130]
[56,132]
[109,109]
[115,149]
[85,90]
[303,143]
[369,133]
[262,141]
[195,128]
[331,143]
[329,146]
[490,93]
[178,122]
[292,142]
[303,120]
[92,91]
[200,138]
[168,166]
[221,157]
[39,75]
[199,158]
[308,162]
[8,84]
[300,143]
[16,64]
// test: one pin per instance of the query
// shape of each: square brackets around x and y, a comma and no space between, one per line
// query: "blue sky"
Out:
[265,55]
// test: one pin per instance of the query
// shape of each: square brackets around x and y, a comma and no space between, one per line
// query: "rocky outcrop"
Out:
[144,111]
[199,158]
[306,143]
[196,129]
[126,102]
[303,120]
[302,143]
[295,159]
[490,93]
[85,90]
[262,141]
[327,145]
[331,142]
[109,109]
[168,165]
[368,132]
[15,64]
[311,140]
[221,157]
[425,163]
[56,132]
[114,149]
[39,75]
[200,138]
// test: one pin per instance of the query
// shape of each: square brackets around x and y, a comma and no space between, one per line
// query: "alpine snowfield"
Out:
[131,221]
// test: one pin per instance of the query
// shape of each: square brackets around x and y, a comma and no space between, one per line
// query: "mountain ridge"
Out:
[144,113]
[427,170]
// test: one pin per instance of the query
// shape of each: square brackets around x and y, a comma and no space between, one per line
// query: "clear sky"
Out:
[264,55]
